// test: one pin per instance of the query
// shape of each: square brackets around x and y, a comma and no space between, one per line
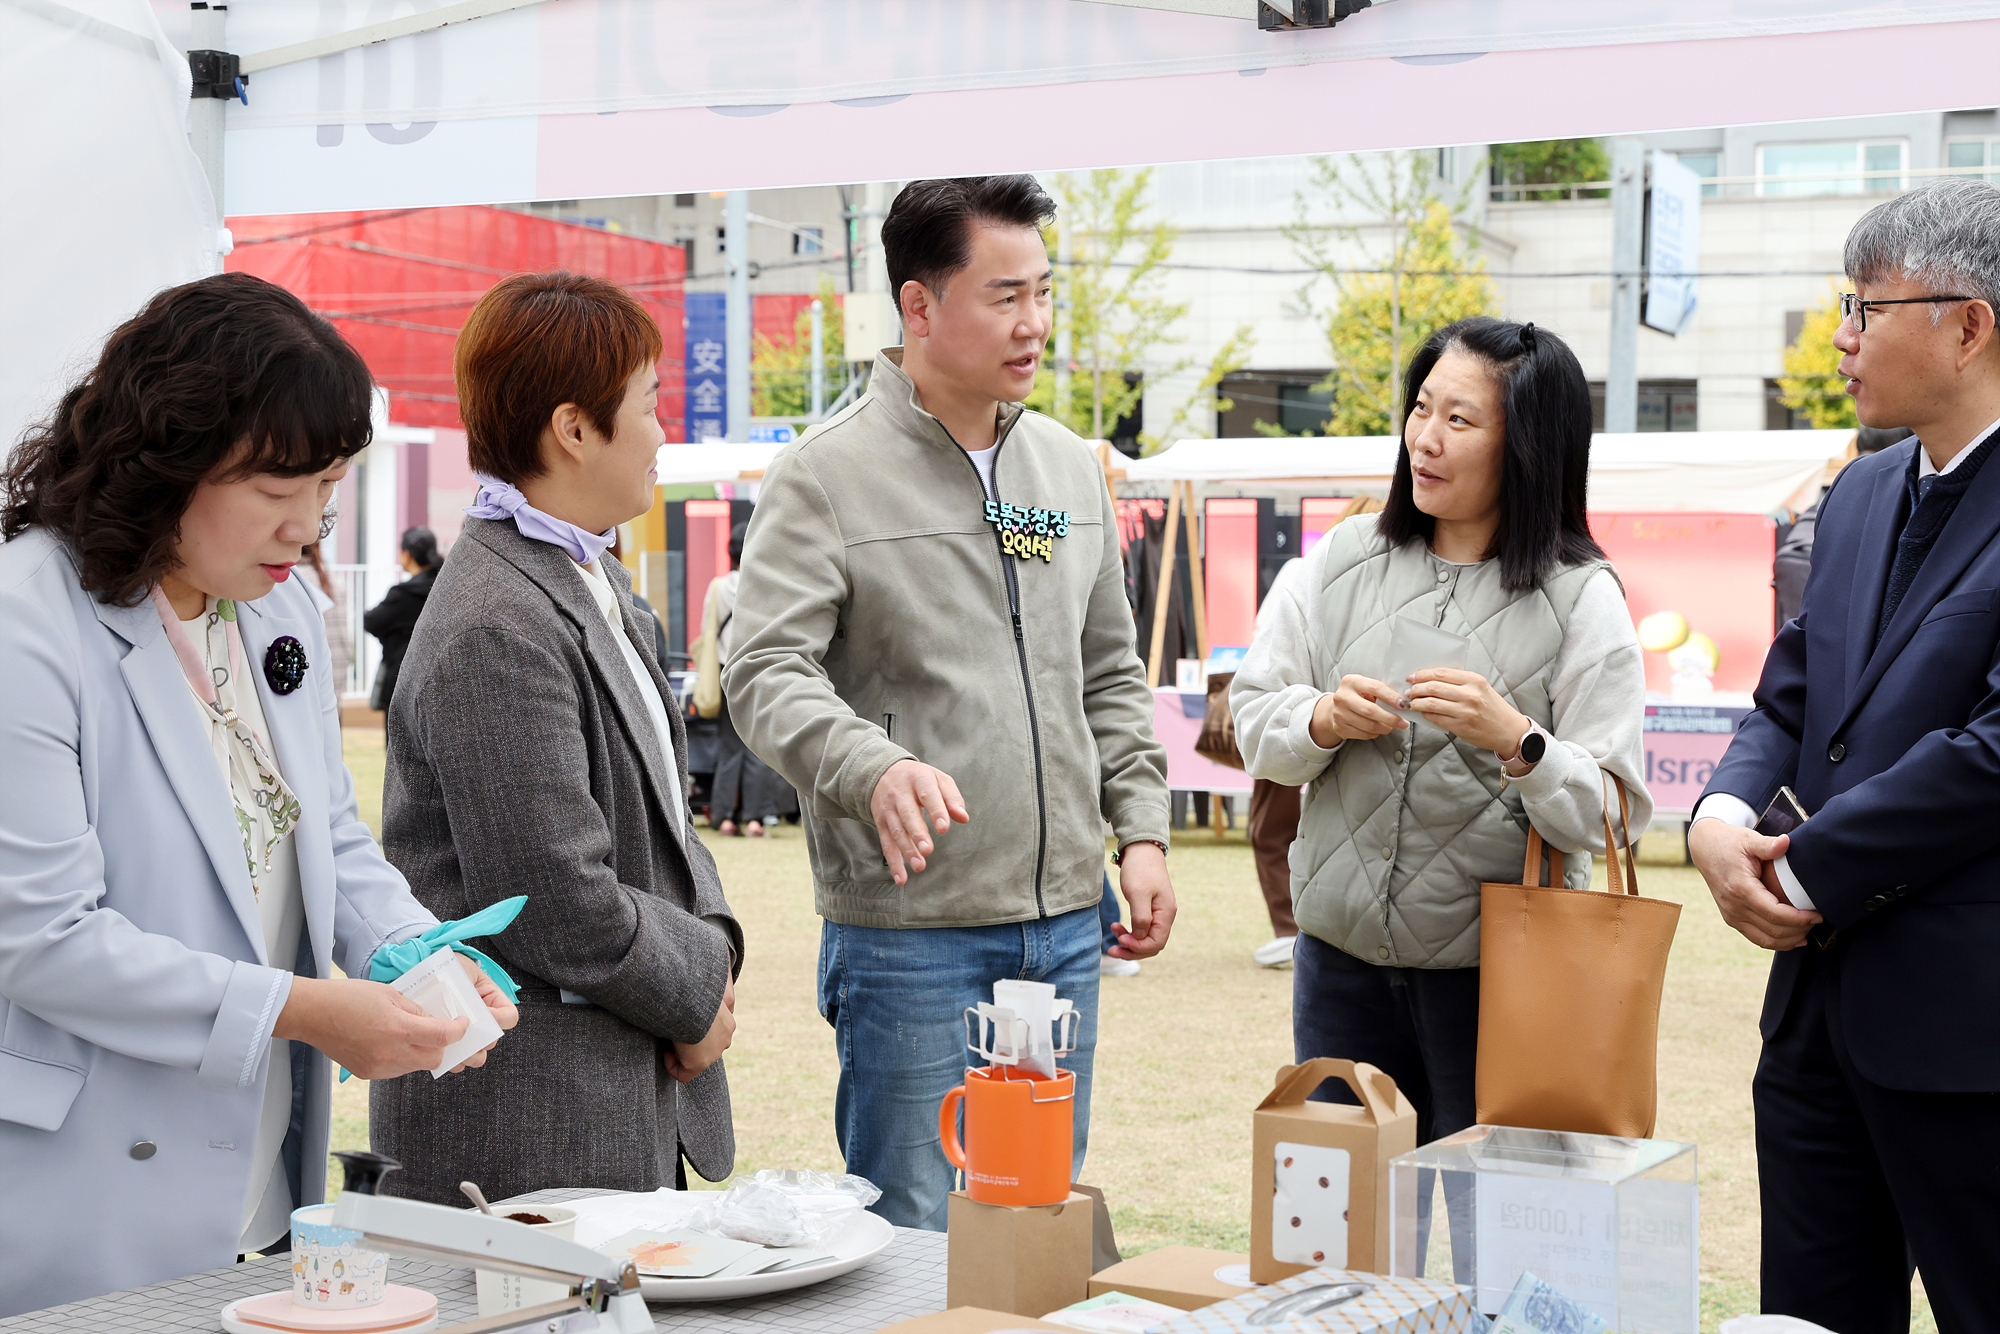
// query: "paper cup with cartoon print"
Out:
[331,1269]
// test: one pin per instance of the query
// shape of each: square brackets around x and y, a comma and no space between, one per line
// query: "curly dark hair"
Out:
[222,378]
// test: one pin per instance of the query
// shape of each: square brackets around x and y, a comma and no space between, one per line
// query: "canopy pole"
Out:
[205,33]
[1628,207]
[736,255]
[1196,578]
[1168,559]
[819,359]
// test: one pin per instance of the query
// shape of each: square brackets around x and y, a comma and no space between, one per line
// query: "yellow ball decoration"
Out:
[1663,631]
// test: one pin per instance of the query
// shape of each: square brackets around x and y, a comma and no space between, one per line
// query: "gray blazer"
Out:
[136,1001]
[522,761]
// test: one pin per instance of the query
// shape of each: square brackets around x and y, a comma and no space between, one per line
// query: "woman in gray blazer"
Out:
[181,865]
[534,749]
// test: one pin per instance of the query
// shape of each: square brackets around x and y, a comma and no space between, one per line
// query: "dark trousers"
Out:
[744,788]
[1862,1183]
[1274,824]
[1421,1027]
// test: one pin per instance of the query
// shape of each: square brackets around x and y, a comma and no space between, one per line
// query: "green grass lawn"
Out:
[1187,1049]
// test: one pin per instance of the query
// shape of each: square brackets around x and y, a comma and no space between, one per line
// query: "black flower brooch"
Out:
[285,664]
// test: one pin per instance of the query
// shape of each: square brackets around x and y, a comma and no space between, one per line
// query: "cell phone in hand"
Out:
[1783,815]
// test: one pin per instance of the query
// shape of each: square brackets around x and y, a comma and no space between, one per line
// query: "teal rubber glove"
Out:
[392,961]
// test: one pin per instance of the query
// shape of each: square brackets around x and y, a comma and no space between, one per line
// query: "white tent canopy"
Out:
[569,99]
[1713,472]
[713,461]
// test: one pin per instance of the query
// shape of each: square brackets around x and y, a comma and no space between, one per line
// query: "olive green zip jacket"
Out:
[889,611]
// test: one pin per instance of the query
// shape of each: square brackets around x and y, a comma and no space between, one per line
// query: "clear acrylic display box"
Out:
[1612,1223]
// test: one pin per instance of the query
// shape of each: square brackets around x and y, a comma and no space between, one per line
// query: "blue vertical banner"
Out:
[707,366]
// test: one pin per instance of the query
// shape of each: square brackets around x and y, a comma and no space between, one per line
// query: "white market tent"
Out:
[1710,472]
[565,99]
[714,461]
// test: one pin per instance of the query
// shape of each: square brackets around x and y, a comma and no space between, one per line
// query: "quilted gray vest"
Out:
[1397,834]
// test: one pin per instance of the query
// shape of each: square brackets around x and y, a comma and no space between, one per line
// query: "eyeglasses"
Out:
[1853,309]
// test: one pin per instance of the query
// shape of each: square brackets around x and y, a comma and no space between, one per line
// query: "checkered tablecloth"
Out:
[905,1280]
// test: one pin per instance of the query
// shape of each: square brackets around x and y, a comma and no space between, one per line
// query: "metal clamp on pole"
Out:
[217,74]
[1277,15]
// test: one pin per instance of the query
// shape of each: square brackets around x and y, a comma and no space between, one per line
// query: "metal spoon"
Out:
[472,1193]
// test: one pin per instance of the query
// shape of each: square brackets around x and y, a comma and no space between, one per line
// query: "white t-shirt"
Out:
[267,1209]
[656,709]
[982,459]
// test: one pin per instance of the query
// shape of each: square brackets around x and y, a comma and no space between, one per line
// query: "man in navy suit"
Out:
[1878,1091]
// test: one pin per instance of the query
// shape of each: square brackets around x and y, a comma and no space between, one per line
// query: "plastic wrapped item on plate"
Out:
[785,1207]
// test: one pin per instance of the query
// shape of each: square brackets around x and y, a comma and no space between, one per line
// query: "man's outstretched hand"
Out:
[1737,864]
[909,801]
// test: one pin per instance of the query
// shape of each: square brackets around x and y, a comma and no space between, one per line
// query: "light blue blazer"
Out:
[136,1003]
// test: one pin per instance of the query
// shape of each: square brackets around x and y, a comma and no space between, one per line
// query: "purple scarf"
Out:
[501,500]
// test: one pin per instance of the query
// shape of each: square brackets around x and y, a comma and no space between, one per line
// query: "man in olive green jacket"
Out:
[932,629]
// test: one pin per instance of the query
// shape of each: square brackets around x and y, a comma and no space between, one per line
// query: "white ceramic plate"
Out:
[853,1246]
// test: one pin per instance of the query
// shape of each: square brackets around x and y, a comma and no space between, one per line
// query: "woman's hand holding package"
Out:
[1466,705]
[1352,714]
[685,1060]
[367,1027]
[504,1013]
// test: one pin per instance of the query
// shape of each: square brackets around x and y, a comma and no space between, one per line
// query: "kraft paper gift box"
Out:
[1015,1258]
[1184,1277]
[1390,1306]
[1319,1171]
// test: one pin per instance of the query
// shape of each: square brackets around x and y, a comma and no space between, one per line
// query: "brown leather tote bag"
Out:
[1217,738]
[1569,996]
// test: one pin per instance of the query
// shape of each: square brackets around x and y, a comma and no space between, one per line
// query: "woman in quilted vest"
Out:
[1441,676]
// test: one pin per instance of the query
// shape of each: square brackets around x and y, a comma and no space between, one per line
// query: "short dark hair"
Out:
[420,544]
[736,536]
[205,368]
[1875,439]
[1545,466]
[537,341]
[927,236]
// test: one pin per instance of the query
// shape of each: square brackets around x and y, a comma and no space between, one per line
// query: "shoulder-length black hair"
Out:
[207,367]
[1545,466]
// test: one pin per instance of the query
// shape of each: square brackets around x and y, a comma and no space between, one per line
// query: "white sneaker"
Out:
[1274,953]
[1110,965]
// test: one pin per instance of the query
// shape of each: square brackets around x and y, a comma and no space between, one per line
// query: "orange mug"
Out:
[1020,1129]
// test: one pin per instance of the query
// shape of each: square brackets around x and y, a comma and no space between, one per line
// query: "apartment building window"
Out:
[683,201]
[1447,164]
[1705,165]
[721,240]
[1984,152]
[1847,168]
[1304,409]
[1664,405]
[808,241]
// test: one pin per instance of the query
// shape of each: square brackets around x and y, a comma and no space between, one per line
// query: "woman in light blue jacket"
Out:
[181,864]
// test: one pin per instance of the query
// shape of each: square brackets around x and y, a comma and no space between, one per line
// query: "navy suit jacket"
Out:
[1894,750]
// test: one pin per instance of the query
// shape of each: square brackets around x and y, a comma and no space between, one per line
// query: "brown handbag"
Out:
[1217,739]
[1569,996]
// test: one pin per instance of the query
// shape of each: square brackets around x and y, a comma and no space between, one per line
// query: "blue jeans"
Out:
[896,1000]
[1108,911]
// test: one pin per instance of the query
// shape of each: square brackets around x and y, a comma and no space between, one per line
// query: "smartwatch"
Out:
[1534,745]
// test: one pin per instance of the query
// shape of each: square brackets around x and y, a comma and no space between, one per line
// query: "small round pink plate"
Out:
[401,1311]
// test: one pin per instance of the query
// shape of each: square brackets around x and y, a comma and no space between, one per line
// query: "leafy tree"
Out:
[1207,399]
[1552,162]
[1408,284]
[1112,291]
[781,377]
[1812,383]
